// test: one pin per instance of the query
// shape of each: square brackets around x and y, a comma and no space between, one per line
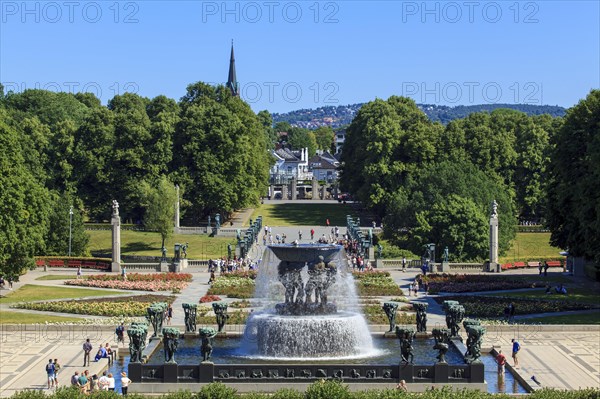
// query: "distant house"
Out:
[290,164]
[324,166]
[340,138]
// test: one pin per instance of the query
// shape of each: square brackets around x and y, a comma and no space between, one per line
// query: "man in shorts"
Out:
[516,347]
[501,360]
[50,371]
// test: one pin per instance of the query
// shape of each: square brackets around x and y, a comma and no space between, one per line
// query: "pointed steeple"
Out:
[232,82]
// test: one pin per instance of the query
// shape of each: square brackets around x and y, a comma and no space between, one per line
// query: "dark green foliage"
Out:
[574,189]
[216,390]
[57,237]
[288,393]
[327,390]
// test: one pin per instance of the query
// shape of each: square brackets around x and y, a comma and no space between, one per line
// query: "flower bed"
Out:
[233,287]
[209,298]
[171,285]
[241,273]
[130,306]
[235,317]
[456,283]
[185,277]
[487,306]
[243,304]
[376,284]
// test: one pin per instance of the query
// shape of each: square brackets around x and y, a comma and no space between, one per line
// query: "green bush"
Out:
[287,393]
[327,390]
[185,394]
[216,390]
[28,394]
[69,392]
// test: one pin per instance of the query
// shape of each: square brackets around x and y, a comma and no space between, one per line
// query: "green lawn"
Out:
[577,318]
[530,246]
[57,277]
[30,292]
[303,214]
[8,317]
[579,295]
[149,244]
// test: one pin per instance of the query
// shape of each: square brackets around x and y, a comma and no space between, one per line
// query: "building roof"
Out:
[287,155]
[319,162]
[232,82]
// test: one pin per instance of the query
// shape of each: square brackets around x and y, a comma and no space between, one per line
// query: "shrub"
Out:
[216,390]
[327,390]
[181,394]
[29,394]
[233,287]
[376,283]
[287,393]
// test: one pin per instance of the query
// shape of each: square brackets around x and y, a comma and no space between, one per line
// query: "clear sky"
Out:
[306,54]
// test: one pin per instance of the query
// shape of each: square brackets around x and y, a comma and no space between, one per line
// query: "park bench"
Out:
[74,263]
[89,265]
[519,265]
[533,264]
[506,266]
[40,262]
[103,265]
[56,263]
[554,263]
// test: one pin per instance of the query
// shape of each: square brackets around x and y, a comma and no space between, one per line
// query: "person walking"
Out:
[120,331]
[87,348]
[169,314]
[312,234]
[327,222]
[404,263]
[79,272]
[516,347]
[299,235]
[56,368]
[501,360]
[50,371]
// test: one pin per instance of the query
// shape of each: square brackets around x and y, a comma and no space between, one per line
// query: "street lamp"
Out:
[70,228]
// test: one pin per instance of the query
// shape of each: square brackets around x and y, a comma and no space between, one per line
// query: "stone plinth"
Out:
[116,239]
[294,188]
[315,188]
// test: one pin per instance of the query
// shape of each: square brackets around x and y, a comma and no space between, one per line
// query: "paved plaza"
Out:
[564,357]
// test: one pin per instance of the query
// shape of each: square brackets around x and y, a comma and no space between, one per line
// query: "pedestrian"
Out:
[516,347]
[75,379]
[124,273]
[87,348]
[299,235]
[124,383]
[402,384]
[111,382]
[511,314]
[56,368]
[546,268]
[120,331]
[83,382]
[169,314]
[416,287]
[103,382]
[404,263]
[50,371]
[501,360]
[327,222]
[312,234]
[94,383]
[79,273]
[540,267]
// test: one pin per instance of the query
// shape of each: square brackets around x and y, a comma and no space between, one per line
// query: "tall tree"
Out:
[61,223]
[266,120]
[24,205]
[573,212]
[325,138]
[299,138]
[158,201]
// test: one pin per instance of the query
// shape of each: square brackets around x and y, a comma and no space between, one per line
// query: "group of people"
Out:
[106,382]
[501,359]
[103,352]
[8,280]
[559,289]
[224,265]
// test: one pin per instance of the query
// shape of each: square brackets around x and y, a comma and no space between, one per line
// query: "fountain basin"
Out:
[338,335]
[304,252]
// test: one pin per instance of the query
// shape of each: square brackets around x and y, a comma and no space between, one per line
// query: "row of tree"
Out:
[60,150]
[434,184]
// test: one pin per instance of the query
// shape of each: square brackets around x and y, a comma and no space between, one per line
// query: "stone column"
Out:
[272,191]
[494,237]
[284,192]
[294,188]
[116,238]
[315,188]
[324,191]
[177,211]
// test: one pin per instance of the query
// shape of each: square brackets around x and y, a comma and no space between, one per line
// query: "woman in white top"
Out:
[124,383]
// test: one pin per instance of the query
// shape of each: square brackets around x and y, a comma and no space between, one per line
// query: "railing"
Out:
[196,263]
[193,230]
[467,266]
[416,263]
[142,267]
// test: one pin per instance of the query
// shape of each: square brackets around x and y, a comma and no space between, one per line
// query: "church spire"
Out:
[232,82]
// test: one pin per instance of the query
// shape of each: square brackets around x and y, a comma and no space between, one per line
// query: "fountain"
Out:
[312,307]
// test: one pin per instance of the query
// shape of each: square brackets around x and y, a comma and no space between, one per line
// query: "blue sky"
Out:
[306,54]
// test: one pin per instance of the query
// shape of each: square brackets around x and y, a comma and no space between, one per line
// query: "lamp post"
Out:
[70,227]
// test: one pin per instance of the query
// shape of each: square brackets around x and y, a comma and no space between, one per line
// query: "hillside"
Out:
[336,116]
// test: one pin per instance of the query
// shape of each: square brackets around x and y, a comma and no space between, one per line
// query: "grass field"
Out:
[8,317]
[30,292]
[576,318]
[578,295]
[303,214]
[52,277]
[149,244]
[530,246]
